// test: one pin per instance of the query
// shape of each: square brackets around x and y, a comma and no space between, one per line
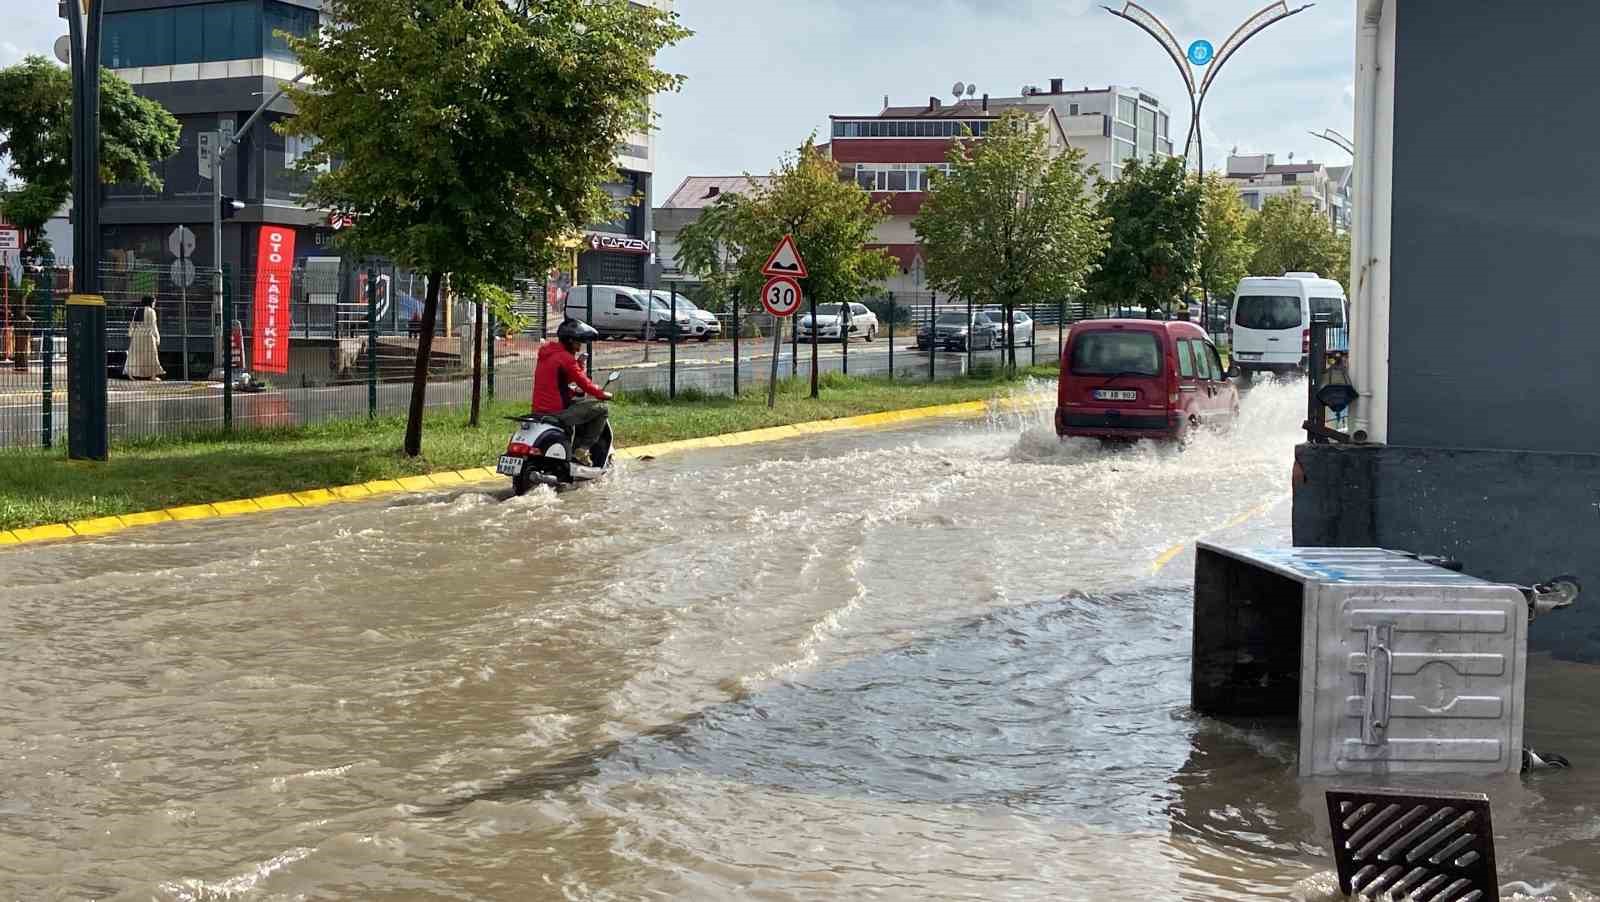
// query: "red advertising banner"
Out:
[274,268]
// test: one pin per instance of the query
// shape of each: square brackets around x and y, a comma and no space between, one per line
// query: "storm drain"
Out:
[1431,848]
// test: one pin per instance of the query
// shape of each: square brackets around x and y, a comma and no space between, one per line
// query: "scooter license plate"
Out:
[510,465]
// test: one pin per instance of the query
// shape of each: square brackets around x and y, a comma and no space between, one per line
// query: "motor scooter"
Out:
[540,452]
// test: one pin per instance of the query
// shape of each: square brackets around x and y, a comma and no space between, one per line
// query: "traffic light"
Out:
[231,206]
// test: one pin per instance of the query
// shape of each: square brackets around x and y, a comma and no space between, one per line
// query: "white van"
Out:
[621,310]
[1270,325]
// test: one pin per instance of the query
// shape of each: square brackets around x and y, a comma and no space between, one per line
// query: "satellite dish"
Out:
[957,89]
[972,90]
[64,49]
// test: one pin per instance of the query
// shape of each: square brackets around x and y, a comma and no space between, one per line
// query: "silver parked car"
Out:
[703,324]
[1021,326]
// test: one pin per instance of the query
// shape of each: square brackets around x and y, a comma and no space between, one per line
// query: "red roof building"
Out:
[891,154]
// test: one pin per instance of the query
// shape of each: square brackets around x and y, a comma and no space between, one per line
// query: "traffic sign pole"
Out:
[782,297]
[777,350]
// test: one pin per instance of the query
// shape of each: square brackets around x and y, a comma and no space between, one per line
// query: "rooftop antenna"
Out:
[972,90]
[958,89]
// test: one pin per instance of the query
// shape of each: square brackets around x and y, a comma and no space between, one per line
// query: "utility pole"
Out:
[1200,55]
[222,145]
[88,430]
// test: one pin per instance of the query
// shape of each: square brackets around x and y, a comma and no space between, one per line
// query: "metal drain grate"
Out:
[1431,848]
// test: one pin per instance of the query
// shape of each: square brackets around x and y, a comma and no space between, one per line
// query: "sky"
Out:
[762,75]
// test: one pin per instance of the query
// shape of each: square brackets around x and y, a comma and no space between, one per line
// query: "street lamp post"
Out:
[222,356]
[1200,55]
[1344,144]
[88,431]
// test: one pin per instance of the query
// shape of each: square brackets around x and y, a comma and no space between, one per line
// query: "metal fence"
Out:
[352,348]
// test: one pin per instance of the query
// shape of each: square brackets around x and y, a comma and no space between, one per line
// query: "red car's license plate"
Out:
[1108,394]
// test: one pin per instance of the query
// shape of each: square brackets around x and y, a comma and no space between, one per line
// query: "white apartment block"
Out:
[1110,125]
[1259,178]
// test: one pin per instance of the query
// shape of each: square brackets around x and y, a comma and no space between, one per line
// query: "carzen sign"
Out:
[274,268]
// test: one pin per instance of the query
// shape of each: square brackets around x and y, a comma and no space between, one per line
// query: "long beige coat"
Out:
[144,338]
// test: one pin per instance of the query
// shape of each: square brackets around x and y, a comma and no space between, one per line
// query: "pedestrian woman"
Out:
[144,340]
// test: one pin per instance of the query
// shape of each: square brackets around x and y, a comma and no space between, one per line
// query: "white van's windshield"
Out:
[1269,312]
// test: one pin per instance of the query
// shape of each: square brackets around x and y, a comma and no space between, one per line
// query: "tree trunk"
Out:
[419,376]
[477,358]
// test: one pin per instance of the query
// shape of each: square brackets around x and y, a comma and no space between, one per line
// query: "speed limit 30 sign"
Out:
[781,296]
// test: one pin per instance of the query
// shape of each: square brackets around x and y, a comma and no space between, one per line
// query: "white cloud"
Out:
[30,27]
[763,75]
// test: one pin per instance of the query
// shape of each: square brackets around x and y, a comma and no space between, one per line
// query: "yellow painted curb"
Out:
[315,497]
[277,502]
[359,491]
[351,492]
[234,508]
[145,519]
[44,533]
[98,526]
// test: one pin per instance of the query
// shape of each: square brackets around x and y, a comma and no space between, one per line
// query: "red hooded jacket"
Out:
[555,368]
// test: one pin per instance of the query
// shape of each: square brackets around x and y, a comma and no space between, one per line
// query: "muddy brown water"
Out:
[934,663]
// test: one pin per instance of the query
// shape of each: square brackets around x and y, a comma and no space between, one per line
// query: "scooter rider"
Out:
[557,366]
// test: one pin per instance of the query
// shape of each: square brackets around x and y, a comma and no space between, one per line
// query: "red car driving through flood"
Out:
[1127,379]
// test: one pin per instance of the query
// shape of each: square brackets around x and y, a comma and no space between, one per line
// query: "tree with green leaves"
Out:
[1013,223]
[1153,252]
[472,136]
[1291,236]
[832,221]
[1225,246]
[36,133]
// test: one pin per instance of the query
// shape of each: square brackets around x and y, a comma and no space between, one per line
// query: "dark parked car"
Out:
[953,332]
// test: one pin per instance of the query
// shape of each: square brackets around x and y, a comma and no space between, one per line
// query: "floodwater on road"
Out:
[935,663]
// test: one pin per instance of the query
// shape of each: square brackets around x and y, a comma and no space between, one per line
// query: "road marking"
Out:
[1171,554]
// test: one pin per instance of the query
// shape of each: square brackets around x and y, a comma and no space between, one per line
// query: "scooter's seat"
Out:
[542,419]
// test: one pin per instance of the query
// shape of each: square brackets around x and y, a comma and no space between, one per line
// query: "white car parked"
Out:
[703,324]
[860,322]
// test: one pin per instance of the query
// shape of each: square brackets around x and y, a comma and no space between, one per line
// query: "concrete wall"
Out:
[1493,425]
[1518,517]
[1494,305]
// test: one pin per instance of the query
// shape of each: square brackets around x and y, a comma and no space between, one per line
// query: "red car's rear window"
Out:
[1109,352]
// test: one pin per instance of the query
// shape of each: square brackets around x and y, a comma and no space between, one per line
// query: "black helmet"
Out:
[576,330]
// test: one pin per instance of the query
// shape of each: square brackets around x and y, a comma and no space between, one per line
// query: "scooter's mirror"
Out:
[613,377]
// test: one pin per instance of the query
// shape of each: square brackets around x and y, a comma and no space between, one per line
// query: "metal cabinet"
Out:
[1390,664]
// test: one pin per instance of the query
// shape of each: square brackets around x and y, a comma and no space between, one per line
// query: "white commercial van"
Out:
[620,310]
[1270,326]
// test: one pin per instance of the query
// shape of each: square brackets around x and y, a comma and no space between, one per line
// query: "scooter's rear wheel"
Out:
[521,483]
